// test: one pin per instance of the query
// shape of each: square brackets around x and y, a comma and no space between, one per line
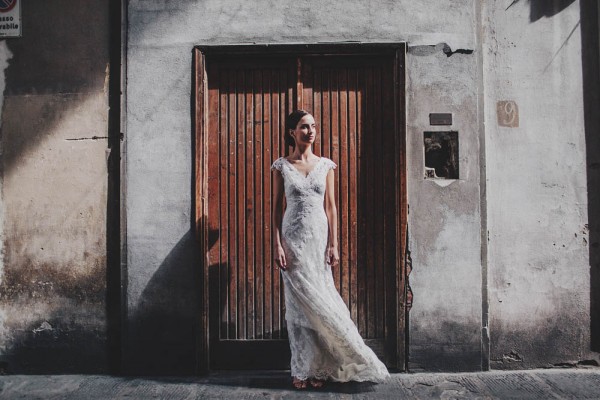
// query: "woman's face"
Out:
[306,131]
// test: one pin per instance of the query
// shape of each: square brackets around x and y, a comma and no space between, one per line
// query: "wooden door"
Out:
[357,103]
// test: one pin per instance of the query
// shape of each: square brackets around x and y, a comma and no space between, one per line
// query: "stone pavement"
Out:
[533,384]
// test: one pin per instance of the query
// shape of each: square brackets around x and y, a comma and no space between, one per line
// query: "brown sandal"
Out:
[299,383]
[316,383]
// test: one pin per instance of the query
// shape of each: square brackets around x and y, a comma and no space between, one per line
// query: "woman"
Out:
[324,342]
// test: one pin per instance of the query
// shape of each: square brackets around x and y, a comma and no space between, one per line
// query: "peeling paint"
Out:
[45,326]
[106,79]
[5,56]
[513,356]
[448,51]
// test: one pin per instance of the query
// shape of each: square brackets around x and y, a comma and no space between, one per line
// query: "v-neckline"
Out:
[300,172]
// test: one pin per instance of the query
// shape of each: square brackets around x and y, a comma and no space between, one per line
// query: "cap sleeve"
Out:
[330,164]
[277,164]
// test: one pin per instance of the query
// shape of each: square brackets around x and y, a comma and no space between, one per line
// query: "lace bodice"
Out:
[304,197]
[303,189]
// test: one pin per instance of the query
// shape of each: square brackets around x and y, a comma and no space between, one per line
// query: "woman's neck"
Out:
[302,153]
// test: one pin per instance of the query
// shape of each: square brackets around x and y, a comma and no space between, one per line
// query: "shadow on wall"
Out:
[590,54]
[449,346]
[64,332]
[164,328]
[161,334]
[54,317]
[544,8]
[63,53]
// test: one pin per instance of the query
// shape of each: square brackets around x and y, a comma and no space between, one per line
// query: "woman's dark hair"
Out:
[291,122]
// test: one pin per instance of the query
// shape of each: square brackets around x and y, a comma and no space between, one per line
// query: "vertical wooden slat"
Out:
[240,202]
[331,150]
[353,106]
[258,222]
[329,142]
[380,168]
[305,86]
[249,204]
[289,105]
[232,200]
[371,172]
[267,195]
[276,146]
[212,180]
[282,110]
[299,87]
[200,204]
[223,139]
[317,97]
[342,181]
[322,141]
[317,107]
[365,196]
[390,328]
[361,201]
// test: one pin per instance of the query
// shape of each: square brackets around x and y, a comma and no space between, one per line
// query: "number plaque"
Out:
[508,113]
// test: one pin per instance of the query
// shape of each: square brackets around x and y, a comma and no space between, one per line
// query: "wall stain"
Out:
[46,280]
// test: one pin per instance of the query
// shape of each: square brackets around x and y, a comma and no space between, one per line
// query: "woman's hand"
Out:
[280,258]
[333,256]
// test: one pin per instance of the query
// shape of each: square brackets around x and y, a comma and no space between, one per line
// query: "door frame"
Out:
[199,159]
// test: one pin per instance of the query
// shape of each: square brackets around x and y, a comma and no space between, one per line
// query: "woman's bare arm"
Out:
[331,211]
[278,191]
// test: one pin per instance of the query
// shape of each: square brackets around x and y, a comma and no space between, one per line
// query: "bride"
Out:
[324,341]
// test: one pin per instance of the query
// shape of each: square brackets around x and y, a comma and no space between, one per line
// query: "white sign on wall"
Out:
[10,18]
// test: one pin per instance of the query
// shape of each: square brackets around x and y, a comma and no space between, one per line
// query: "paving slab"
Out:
[580,383]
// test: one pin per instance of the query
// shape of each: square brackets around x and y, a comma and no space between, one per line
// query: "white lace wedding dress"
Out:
[324,341]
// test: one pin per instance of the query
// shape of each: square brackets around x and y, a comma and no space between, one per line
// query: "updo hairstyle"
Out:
[291,122]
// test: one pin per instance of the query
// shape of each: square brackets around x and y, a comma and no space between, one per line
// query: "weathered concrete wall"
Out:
[539,277]
[590,50]
[444,222]
[52,290]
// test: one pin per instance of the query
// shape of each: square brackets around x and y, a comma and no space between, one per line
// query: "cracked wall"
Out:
[52,292]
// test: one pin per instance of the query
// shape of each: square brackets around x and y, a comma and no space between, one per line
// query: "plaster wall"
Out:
[590,49]
[539,281]
[444,218]
[444,221]
[54,124]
